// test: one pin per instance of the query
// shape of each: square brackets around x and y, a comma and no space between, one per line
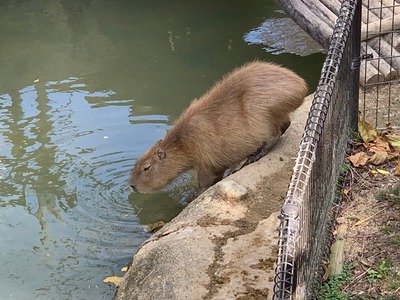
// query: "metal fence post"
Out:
[355,67]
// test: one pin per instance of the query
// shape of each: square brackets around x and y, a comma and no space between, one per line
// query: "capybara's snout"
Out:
[133,188]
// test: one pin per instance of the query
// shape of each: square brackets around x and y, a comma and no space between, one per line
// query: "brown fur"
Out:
[245,111]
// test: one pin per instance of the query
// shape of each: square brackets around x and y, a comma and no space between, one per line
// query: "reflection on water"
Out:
[64,208]
[63,190]
[282,35]
[86,86]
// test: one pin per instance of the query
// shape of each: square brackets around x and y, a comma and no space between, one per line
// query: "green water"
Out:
[86,86]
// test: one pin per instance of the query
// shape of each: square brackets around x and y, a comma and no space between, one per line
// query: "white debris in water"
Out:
[2,167]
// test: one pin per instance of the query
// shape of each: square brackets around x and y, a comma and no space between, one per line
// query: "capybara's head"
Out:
[156,168]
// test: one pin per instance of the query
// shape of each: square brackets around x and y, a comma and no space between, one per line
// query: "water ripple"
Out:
[65,161]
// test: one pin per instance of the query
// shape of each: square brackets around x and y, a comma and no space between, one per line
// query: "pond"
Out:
[86,86]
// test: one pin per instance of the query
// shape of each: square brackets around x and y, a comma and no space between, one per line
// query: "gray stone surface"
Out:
[223,245]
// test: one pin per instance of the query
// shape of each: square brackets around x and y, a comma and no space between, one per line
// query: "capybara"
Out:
[244,112]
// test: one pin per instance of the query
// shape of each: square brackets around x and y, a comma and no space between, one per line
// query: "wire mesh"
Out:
[305,215]
[380,67]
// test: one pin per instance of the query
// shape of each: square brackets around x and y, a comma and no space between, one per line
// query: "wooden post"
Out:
[333,5]
[380,64]
[380,27]
[379,9]
[388,10]
[369,74]
[323,12]
[392,6]
[392,39]
[336,260]
[367,15]
[309,20]
[386,51]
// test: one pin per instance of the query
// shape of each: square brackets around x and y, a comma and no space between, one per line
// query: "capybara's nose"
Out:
[134,188]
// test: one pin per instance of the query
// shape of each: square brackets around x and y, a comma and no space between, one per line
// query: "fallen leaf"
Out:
[367,132]
[358,159]
[36,80]
[393,154]
[374,172]
[379,144]
[393,140]
[346,191]
[113,279]
[379,157]
[383,172]
[397,169]
[124,269]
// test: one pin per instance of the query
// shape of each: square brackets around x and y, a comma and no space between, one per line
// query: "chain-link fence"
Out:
[306,213]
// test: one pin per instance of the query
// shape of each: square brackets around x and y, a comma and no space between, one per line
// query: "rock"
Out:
[231,190]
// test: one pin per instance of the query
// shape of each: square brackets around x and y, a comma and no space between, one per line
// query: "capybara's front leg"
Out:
[207,178]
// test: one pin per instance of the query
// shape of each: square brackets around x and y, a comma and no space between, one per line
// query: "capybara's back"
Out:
[244,112]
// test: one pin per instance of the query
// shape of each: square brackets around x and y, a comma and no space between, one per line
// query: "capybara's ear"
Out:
[157,143]
[160,154]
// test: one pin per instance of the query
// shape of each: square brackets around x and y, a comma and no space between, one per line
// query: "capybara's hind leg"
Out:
[267,146]
[285,125]
[260,153]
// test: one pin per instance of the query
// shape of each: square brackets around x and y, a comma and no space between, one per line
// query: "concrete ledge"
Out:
[223,245]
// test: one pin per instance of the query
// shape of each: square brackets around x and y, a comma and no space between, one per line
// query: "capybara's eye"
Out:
[146,168]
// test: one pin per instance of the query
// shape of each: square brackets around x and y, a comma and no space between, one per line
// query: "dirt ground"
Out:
[381,104]
[372,242]
[371,211]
